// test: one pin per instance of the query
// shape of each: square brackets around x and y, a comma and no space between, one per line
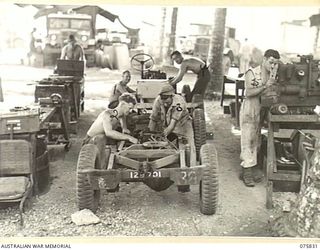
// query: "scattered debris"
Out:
[84,217]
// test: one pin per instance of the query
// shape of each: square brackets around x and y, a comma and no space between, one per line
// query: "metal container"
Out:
[19,121]
[42,166]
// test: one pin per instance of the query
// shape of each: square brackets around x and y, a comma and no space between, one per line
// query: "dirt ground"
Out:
[136,210]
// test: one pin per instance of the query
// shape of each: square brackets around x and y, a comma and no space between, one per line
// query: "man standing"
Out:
[119,89]
[72,51]
[32,46]
[170,115]
[196,66]
[257,81]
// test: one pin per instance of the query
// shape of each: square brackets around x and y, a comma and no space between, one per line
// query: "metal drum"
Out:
[42,171]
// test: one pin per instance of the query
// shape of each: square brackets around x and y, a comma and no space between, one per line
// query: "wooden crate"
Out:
[70,67]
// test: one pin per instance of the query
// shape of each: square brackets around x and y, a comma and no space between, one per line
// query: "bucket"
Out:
[42,173]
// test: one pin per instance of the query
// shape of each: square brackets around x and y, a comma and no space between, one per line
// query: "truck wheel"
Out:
[187,92]
[199,129]
[209,185]
[86,196]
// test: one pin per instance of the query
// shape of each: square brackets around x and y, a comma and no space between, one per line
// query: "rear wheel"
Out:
[87,198]
[209,185]
[199,128]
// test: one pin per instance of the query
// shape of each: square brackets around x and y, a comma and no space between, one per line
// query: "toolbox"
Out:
[20,120]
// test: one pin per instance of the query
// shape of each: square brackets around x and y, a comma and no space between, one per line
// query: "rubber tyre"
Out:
[209,185]
[187,92]
[87,198]
[199,129]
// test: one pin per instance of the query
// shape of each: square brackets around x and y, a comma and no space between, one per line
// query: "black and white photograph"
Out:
[159,120]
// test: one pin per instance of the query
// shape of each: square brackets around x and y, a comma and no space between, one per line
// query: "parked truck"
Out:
[198,41]
[60,26]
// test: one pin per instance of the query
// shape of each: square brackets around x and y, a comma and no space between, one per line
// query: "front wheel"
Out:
[87,198]
[209,185]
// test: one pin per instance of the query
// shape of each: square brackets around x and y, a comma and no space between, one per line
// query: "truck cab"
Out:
[60,26]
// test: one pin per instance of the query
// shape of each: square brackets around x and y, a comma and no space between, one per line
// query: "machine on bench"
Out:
[290,105]
[61,98]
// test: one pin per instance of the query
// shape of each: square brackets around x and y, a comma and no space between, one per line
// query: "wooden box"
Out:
[24,121]
[70,68]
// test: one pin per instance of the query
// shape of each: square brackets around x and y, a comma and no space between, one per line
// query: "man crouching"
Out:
[170,114]
[108,124]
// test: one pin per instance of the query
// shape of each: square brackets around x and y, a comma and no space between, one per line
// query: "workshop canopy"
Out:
[93,11]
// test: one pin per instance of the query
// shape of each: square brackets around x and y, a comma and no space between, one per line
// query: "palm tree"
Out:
[1,93]
[162,33]
[216,52]
[172,40]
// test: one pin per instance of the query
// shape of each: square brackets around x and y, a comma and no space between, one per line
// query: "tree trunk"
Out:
[1,93]
[316,40]
[216,52]
[172,41]
[162,33]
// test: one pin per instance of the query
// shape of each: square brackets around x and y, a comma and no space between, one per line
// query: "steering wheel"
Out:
[142,60]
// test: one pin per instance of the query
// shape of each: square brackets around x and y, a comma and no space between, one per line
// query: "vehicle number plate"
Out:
[138,175]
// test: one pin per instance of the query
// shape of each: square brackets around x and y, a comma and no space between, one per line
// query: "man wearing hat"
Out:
[170,114]
[73,50]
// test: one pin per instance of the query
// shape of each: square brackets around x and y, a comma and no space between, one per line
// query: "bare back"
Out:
[193,64]
[104,122]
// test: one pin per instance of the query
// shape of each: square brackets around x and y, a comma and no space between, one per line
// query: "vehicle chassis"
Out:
[158,163]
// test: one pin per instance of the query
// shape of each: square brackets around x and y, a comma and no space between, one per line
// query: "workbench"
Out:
[284,172]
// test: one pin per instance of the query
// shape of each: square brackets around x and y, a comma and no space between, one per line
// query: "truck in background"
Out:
[198,42]
[60,26]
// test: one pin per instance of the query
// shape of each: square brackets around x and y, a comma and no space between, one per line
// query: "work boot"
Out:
[247,177]
[257,175]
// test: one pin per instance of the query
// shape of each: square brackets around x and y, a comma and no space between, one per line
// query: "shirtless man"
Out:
[107,123]
[120,88]
[109,120]
[195,65]
[73,50]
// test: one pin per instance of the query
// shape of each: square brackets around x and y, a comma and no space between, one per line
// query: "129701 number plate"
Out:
[139,175]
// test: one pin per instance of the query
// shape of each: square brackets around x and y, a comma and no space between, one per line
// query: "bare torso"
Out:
[193,64]
[98,126]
